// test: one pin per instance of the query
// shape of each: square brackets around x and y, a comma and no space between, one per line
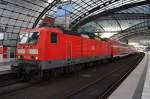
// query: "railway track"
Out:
[116,84]
[7,79]
[75,91]
[84,92]
[110,89]
[15,85]
[10,83]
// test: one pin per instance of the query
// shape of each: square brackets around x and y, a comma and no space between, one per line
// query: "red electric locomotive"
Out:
[43,49]
[49,48]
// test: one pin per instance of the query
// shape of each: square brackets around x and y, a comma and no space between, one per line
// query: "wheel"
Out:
[25,76]
[45,74]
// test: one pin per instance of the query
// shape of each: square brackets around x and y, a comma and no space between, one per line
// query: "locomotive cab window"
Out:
[54,37]
[29,37]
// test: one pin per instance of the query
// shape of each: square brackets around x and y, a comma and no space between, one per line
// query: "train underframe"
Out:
[27,70]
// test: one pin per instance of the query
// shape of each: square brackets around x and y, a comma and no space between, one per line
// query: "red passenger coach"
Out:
[50,48]
[119,49]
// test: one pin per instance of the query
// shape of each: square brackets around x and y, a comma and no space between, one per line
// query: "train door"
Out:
[68,50]
[54,47]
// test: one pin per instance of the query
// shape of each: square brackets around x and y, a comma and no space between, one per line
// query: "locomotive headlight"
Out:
[21,51]
[33,51]
[36,58]
[19,57]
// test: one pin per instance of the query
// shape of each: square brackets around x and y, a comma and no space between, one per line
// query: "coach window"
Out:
[54,37]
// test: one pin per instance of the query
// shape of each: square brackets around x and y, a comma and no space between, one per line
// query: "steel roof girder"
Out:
[80,22]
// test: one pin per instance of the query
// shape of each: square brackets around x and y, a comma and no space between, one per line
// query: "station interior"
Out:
[123,21]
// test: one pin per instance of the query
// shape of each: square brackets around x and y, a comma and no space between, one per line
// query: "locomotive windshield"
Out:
[29,37]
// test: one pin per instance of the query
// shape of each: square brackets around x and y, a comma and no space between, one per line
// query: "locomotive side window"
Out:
[54,37]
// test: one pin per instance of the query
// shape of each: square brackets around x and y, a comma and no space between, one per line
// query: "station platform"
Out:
[5,65]
[6,61]
[5,69]
[137,84]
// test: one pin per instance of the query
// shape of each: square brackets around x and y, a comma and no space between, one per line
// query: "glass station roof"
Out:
[19,14]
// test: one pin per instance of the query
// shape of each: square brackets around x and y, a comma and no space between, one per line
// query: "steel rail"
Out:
[73,93]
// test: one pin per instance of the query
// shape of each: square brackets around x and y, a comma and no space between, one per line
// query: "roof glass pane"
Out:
[16,14]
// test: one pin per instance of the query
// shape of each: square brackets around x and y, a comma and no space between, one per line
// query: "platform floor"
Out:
[146,88]
[135,86]
[5,69]
[6,61]
[5,65]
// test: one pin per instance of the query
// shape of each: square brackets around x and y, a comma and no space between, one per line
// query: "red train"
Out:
[43,49]
[3,52]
